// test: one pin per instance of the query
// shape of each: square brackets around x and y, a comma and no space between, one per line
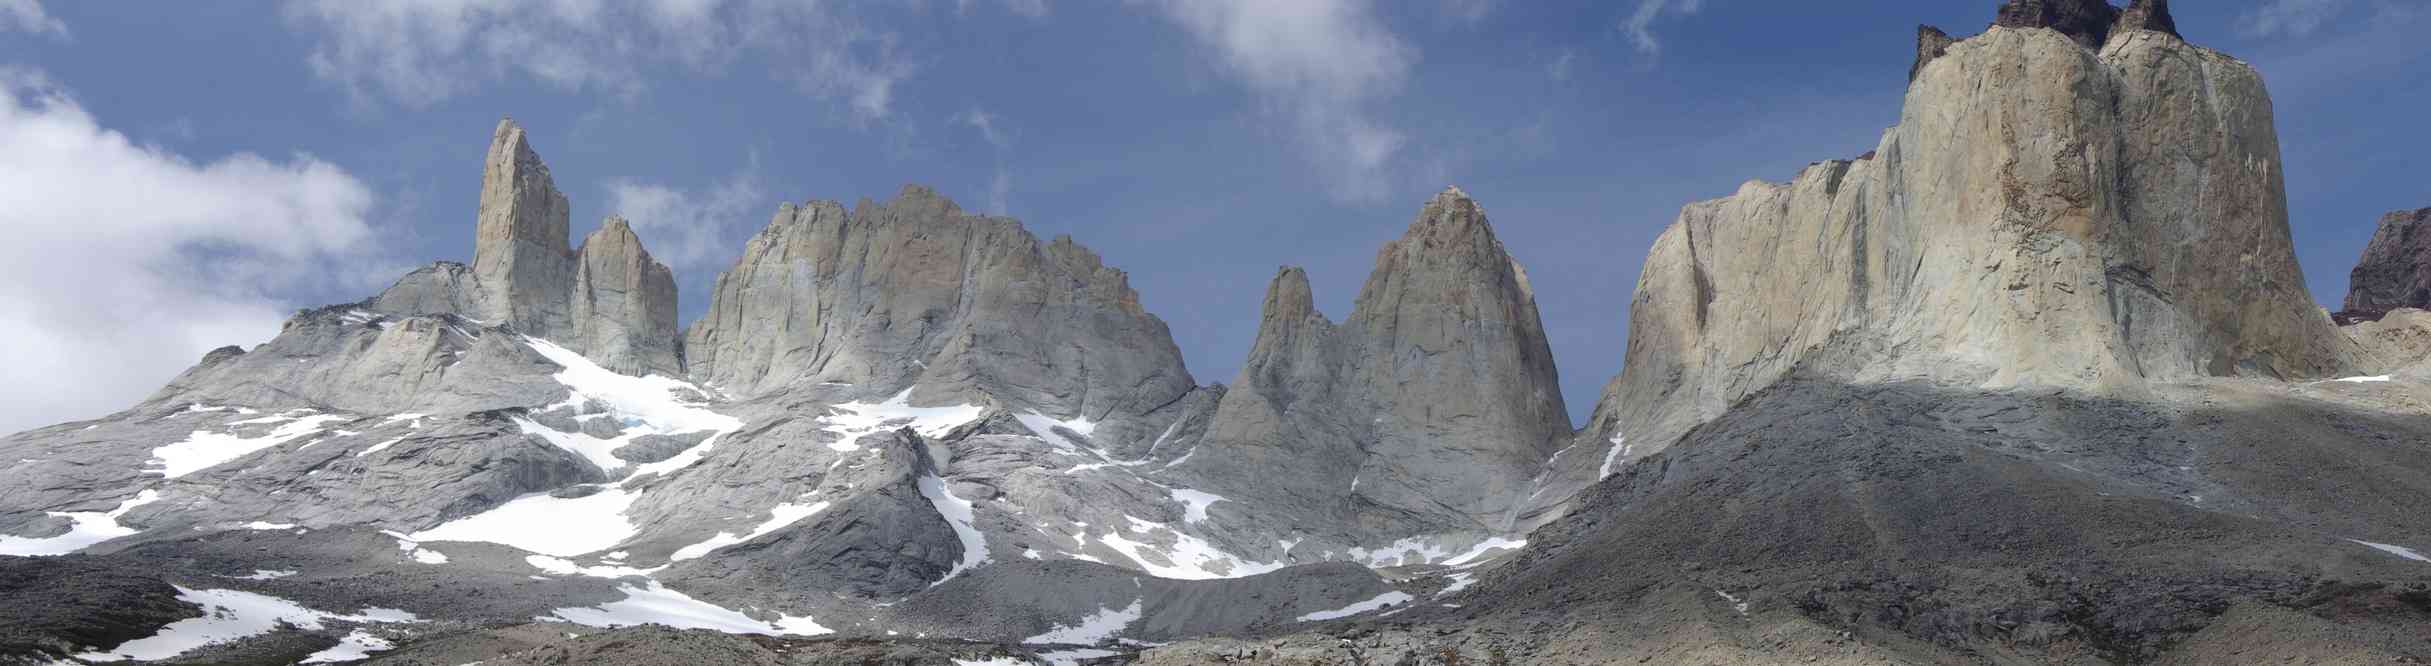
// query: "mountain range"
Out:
[2036,380]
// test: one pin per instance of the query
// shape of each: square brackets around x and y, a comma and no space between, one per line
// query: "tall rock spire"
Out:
[624,304]
[1429,408]
[520,255]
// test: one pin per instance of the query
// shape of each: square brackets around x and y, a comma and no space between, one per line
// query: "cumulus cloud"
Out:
[1322,65]
[2290,18]
[126,262]
[417,52]
[27,16]
[1640,24]
[692,229]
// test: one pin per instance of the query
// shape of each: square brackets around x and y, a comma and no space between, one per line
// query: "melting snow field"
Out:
[778,518]
[1045,427]
[1427,550]
[2375,379]
[204,449]
[1195,503]
[860,419]
[230,615]
[91,527]
[1096,628]
[655,604]
[356,646]
[547,525]
[956,511]
[1620,449]
[1379,603]
[2400,551]
[1190,558]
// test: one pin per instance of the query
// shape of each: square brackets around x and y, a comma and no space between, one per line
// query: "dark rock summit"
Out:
[2395,270]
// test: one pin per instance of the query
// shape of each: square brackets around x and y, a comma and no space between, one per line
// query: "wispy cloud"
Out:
[1322,65]
[692,229]
[2289,18]
[1000,185]
[1028,8]
[27,16]
[1559,69]
[417,53]
[109,295]
[1640,24]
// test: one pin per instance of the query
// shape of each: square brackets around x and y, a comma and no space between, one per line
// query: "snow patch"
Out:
[646,405]
[1096,628]
[203,449]
[230,615]
[1045,426]
[1190,557]
[376,448]
[860,419]
[1620,449]
[267,574]
[1460,581]
[653,603]
[2400,551]
[1074,657]
[548,525]
[2375,379]
[1379,603]
[356,646]
[266,526]
[956,511]
[778,518]
[566,567]
[1195,503]
[1484,548]
[91,527]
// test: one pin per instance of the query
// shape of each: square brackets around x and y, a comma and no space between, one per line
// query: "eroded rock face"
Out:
[2088,22]
[1432,403]
[2044,214]
[624,304]
[2395,271]
[970,308]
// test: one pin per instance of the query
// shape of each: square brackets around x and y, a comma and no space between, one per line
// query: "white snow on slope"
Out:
[2400,551]
[1484,548]
[1620,449]
[356,646]
[1460,581]
[1190,557]
[1380,602]
[644,405]
[859,419]
[204,449]
[267,574]
[376,448]
[230,615]
[1098,627]
[2375,379]
[1195,503]
[91,527]
[993,661]
[655,604]
[547,525]
[565,567]
[266,526]
[956,511]
[1045,427]
[778,518]
[1074,657]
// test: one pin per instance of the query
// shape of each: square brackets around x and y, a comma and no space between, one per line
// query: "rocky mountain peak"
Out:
[520,254]
[2088,22]
[1434,401]
[623,304]
[2395,270]
[2150,15]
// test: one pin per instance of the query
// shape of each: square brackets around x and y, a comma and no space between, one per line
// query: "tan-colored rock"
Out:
[519,253]
[623,304]
[2043,215]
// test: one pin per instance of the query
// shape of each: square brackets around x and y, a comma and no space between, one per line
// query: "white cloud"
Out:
[1000,185]
[1559,69]
[27,16]
[1640,24]
[1467,11]
[692,229]
[418,52]
[2290,18]
[1028,8]
[126,262]
[1324,65]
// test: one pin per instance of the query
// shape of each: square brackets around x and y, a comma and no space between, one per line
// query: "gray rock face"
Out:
[2395,271]
[1931,43]
[624,304]
[1431,405]
[442,288]
[2042,215]
[880,542]
[915,291]
[520,255]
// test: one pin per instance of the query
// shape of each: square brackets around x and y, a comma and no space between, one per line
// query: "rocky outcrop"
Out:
[2395,271]
[1931,43]
[2150,15]
[2044,214]
[520,256]
[1433,403]
[624,304]
[915,291]
[609,299]
[2086,21]
[881,541]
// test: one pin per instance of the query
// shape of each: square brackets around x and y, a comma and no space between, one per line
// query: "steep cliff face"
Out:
[2044,214]
[623,304]
[916,292]
[1432,403]
[520,256]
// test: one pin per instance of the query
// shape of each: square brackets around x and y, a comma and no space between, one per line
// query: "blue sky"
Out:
[185,174]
